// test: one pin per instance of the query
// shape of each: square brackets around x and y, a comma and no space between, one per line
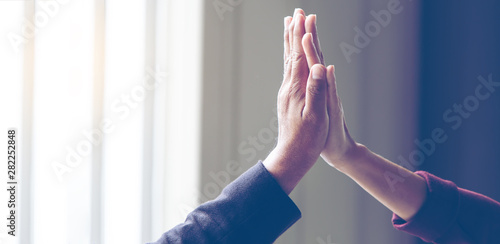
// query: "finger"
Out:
[298,33]
[311,27]
[333,99]
[291,28]
[286,37]
[298,11]
[287,73]
[316,92]
[299,71]
[310,50]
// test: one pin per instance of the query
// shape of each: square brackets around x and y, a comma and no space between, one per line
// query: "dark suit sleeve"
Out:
[252,209]
[453,215]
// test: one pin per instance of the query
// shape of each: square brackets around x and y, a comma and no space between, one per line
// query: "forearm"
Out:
[404,195]
[253,203]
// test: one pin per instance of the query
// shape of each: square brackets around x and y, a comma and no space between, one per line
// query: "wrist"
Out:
[286,167]
[352,157]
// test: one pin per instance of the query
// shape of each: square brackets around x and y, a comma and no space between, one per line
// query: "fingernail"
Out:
[296,11]
[318,73]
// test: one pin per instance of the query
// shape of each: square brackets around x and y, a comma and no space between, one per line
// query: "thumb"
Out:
[316,91]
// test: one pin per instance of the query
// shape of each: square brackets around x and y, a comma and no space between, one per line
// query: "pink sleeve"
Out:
[453,215]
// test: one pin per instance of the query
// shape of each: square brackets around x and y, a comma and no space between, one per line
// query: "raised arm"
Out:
[255,208]
[368,169]
[424,205]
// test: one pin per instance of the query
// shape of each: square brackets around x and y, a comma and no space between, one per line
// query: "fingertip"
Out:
[318,72]
[329,75]
[291,24]
[287,21]
[298,11]
[307,39]
[308,46]
[331,69]
[311,19]
[320,66]
[300,19]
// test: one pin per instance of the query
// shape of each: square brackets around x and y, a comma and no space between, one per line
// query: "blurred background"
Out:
[129,114]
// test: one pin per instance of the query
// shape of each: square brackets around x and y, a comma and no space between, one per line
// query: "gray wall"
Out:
[243,72]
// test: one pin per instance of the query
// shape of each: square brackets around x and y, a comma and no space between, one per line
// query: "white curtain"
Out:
[104,95]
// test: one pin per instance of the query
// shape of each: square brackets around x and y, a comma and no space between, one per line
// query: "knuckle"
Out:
[297,57]
[280,95]
[281,90]
[284,94]
[287,62]
[295,90]
[311,117]
[315,89]
[337,112]
[333,89]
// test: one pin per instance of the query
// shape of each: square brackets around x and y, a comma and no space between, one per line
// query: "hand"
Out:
[355,160]
[302,117]
[340,148]
[302,109]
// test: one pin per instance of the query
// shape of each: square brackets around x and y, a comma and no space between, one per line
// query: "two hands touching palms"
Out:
[310,114]
[312,124]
